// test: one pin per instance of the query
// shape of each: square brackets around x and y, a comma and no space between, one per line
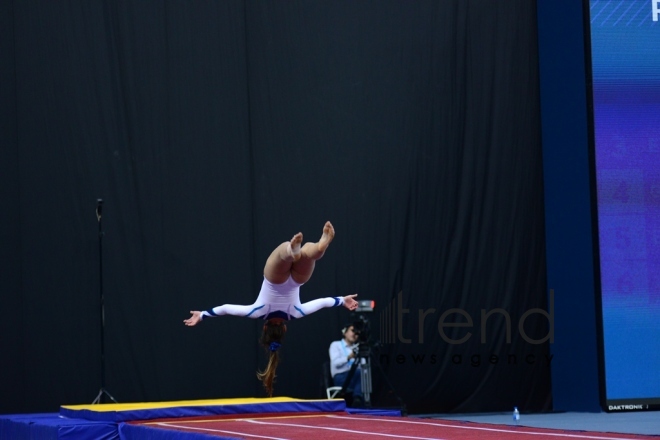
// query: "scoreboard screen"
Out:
[625,68]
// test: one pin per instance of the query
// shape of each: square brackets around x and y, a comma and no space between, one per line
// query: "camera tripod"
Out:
[363,360]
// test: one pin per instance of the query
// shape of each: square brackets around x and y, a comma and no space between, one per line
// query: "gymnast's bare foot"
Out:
[294,246]
[326,238]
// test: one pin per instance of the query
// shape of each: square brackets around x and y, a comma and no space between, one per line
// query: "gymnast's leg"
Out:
[302,269]
[278,265]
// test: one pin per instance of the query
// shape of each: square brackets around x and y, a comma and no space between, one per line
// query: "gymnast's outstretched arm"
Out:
[315,305]
[227,309]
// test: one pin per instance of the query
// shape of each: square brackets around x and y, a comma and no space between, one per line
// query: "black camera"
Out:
[361,329]
[360,322]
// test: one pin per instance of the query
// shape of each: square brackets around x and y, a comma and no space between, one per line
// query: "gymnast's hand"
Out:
[349,302]
[194,319]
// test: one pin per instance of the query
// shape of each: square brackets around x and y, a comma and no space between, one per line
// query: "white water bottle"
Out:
[516,415]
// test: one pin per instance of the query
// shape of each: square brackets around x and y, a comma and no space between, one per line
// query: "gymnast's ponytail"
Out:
[271,340]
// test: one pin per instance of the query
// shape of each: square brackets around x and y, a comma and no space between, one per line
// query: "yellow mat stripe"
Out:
[116,407]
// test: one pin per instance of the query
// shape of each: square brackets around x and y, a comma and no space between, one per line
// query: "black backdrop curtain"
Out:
[214,130]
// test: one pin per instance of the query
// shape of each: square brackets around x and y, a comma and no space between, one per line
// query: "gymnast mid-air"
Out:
[288,267]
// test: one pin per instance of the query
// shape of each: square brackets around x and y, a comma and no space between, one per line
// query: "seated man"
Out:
[342,357]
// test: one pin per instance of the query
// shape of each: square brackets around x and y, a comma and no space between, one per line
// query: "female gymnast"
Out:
[288,267]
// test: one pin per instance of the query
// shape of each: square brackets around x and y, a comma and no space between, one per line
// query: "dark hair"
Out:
[271,339]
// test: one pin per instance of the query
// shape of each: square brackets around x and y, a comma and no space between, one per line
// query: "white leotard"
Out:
[276,301]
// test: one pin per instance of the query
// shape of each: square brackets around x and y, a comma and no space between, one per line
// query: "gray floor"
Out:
[643,422]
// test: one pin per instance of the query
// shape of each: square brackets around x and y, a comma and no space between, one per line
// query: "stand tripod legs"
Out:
[99,396]
[364,362]
[365,378]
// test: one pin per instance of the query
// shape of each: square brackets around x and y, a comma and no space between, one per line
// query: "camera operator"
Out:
[343,354]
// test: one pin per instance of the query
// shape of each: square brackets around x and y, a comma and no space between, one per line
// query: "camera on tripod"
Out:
[362,350]
[365,348]
[361,326]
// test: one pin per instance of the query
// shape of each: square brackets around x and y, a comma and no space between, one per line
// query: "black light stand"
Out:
[102,391]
